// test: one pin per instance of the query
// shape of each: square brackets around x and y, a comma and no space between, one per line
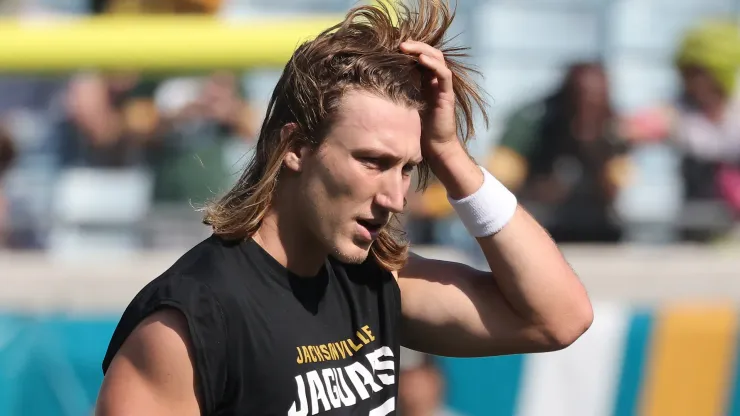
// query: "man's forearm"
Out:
[528,267]
[536,280]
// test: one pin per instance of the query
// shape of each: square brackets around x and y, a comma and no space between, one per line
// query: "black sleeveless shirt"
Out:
[267,342]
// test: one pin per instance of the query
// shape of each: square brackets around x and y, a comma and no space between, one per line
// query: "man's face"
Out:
[699,84]
[352,184]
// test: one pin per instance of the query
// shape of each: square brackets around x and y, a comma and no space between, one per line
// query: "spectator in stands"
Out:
[421,386]
[111,118]
[564,158]
[30,104]
[28,107]
[210,119]
[706,126]
[169,124]
[7,155]
[113,121]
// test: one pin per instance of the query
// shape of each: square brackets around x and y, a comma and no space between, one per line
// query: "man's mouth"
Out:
[373,227]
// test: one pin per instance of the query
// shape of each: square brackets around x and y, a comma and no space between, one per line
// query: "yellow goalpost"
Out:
[154,43]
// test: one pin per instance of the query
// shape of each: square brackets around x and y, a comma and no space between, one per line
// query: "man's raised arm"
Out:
[530,301]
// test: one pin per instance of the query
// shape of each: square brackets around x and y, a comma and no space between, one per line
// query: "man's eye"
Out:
[371,161]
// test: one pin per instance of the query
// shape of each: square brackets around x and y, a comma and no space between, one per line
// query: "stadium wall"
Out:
[677,360]
[673,361]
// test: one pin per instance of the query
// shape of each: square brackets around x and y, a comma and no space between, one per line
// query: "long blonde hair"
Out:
[361,52]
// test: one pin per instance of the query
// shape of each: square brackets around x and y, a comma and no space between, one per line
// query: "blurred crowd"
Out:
[572,159]
[85,157]
[95,159]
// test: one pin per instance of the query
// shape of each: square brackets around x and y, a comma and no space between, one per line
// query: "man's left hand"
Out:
[439,124]
[440,145]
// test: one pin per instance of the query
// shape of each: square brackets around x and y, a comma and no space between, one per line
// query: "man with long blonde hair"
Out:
[300,300]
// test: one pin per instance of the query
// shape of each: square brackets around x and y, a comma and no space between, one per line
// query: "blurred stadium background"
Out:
[615,121]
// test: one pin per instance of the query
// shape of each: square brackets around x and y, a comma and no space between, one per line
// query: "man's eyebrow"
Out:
[384,154]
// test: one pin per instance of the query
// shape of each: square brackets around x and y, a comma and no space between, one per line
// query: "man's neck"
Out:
[285,239]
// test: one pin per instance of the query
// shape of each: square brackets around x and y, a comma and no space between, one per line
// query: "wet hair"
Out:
[360,53]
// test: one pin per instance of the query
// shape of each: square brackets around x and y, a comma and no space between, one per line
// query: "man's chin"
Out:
[356,254]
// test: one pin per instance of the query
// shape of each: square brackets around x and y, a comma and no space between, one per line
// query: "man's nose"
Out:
[393,194]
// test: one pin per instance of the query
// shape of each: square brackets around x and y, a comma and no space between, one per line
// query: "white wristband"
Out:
[488,210]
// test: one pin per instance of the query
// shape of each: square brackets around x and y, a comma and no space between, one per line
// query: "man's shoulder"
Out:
[211,259]
[209,273]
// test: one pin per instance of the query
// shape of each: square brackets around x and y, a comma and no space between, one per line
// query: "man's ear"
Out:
[294,157]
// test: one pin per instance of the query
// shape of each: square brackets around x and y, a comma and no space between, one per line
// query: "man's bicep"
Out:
[452,309]
[153,371]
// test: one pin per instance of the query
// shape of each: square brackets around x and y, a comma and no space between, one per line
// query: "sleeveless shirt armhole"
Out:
[207,330]
[396,295]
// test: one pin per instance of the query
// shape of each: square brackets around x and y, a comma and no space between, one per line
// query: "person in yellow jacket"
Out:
[703,122]
[706,121]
